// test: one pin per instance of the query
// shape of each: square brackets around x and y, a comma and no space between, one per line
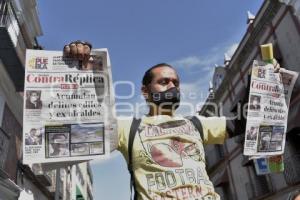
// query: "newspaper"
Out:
[269,99]
[68,111]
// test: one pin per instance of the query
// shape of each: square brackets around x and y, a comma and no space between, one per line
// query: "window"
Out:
[13,130]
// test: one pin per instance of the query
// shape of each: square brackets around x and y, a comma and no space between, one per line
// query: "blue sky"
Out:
[192,35]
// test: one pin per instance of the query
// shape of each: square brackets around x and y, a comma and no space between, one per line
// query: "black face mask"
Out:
[167,99]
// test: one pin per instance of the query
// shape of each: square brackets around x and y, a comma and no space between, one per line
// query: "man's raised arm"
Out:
[81,50]
[236,126]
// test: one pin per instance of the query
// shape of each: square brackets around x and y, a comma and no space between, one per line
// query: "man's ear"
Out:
[145,92]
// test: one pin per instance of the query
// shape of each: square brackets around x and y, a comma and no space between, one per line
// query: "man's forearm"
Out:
[237,125]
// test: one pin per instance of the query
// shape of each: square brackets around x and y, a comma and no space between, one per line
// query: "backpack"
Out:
[133,129]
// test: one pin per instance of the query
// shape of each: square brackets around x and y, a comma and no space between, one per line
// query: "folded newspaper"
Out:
[68,111]
[269,99]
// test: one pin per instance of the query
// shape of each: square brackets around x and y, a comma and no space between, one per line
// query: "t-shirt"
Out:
[168,156]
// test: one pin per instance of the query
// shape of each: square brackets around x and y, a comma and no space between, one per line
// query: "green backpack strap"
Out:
[133,129]
[196,122]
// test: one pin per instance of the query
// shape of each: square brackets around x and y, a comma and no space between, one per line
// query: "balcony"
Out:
[12,45]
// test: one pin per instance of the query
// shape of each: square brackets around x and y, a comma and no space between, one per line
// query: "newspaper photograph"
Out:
[68,107]
[268,105]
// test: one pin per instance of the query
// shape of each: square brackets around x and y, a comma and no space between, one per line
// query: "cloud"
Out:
[205,63]
[231,49]
[188,61]
[193,62]
[198,86]
[194,93]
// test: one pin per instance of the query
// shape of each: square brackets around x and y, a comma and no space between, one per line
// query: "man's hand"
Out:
[276,65]
[79,50]
[238,126]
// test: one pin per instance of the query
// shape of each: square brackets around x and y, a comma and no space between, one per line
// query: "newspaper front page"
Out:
[68,111]
[269,99]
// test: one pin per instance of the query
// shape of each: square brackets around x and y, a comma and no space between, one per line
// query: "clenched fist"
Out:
[79,50]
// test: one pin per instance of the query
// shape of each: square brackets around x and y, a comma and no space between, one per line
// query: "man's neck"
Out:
[158,111]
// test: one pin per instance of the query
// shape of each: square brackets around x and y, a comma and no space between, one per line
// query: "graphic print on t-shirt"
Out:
[173,150]
[168,156]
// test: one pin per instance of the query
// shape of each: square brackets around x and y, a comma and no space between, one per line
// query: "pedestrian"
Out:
[164,152]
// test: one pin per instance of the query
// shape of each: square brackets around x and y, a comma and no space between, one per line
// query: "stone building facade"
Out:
[232,173]
[19,29]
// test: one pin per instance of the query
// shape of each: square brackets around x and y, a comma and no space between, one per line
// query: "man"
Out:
[265,142]
[33,100]
[252,133]
[168,160]
[29,139]
[255,102]
[59,145]
[33,138]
